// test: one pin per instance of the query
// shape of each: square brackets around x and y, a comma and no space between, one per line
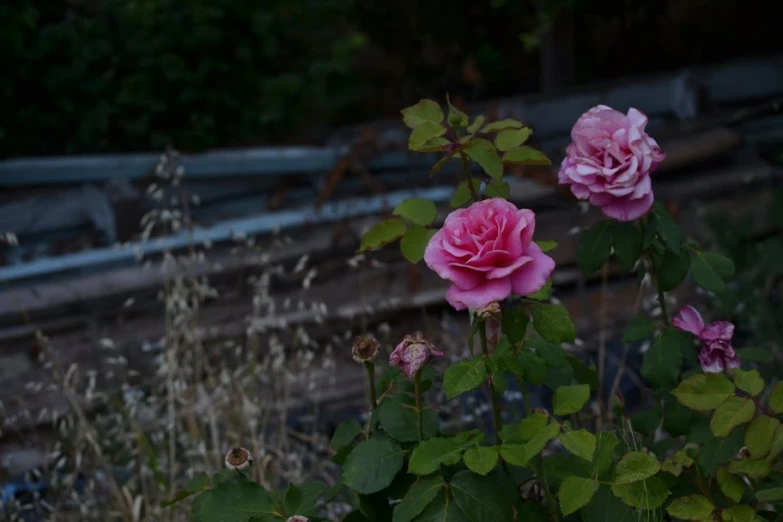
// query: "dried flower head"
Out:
[298,518]
[412,354]
[365,349]
[238,458]
[491,310]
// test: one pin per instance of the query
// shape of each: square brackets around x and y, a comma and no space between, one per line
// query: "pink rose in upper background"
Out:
[716,352]
[487,252]
[412,354]
[609,162]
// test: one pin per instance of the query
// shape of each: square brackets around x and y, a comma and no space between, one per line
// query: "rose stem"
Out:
[466,168]
[493,392]
[539,464]
[371,381]
[419,409]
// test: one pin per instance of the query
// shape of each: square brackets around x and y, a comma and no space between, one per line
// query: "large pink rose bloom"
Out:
[609,162]
[487,252]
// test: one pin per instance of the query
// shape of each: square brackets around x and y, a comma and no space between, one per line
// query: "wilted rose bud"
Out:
[298,518]
[491,310]
[365,349]
[238,458]
[412,354]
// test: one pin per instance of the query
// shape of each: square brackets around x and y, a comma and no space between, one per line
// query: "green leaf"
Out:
[418,497]
[382,234]
[604,454]
[418,211]
[605,507]
[462,194]
[235,500]
[483,152]
[546,245]
[677,462]
[667,227]
[430,454]
[749,381]
[553,354]
[456,117]
[639,328]
[581,443]
[414,242]
[500,125]
[196,484]
[646,494]
[759,435]
[636,466]
[627,241]
[476,125]
[345,433]
[532,424]
[301,499]
[755,353]
[777,444]
[755,469]
[662,362]
[647,421]
[594,248]
[704,392]
[511,138]
[426,111]
[497,189]
[535,367]
[480,459]
[520,454]
[733,412]
[672,269]
[739,513]
[570,399]
[372,465]
[575,493]
[692,507]
[463,376]
[776,398]
[719,450]
[770,495]
[711,271]
[421,135]
[443,509]
[553,323]
[525,155]
[480,499]
[514,323]
[401,422]
[730,485]
[583,374]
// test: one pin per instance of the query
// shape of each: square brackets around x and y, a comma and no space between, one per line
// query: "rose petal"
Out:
[688,319]
[531,277]
[628,209]
[480,296]
[717,331]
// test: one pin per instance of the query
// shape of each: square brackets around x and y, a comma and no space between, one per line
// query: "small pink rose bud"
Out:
[412,354]
[298,518]
[365,349]
[238,458]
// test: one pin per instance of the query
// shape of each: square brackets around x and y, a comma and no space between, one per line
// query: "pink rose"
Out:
[716,352]
[412,354]
[609,162]
[487,252]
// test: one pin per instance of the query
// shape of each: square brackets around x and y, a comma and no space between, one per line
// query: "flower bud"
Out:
[365,349]
[412,354]
[298,518]
[238,458]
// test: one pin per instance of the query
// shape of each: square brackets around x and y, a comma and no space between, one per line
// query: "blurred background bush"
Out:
[86,76]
